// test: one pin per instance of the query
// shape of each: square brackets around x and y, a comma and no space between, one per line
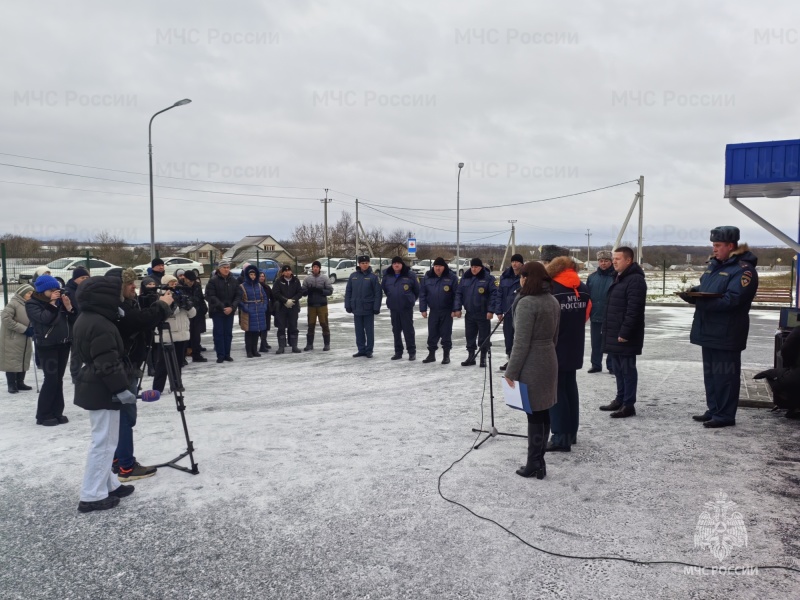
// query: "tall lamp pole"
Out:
[458,219]
[150,152]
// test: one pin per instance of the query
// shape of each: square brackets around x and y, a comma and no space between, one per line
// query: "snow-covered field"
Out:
[318,479]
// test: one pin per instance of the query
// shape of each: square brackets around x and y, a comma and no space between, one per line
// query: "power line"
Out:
[166,187]
[58,187]
[505,205]
[58,162]
[420,224]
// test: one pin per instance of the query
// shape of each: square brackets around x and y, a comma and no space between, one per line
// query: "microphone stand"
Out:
[493,431]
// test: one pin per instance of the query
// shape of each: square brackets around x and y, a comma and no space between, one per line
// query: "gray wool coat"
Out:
[533,357]
[14,344]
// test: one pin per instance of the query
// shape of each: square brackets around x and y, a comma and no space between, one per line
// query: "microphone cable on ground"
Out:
[574,556]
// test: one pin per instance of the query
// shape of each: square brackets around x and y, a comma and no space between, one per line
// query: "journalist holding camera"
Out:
[52,316]
[182,311]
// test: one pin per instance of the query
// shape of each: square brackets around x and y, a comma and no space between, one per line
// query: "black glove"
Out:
[377,312]
[29,331]
[768,374]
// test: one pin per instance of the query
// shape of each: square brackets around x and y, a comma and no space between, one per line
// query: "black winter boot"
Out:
[412,355]
[483,358]
[309,342]
[281,344]
[12,383]
[264,347]
[446,356]
[293,344]
[470,359]
[21,383]
[327,340]
[254,345]
[537,440]
[431,357]
[248,343]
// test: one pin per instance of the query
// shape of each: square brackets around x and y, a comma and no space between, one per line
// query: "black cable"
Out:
[427,226]
[559,554]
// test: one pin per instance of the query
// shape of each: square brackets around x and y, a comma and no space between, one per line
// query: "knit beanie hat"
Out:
[156,261]
[439,262]
[46,282]
[518,258]
[79,272]
[190,276]
[24,289]
[551,252]
[476,262]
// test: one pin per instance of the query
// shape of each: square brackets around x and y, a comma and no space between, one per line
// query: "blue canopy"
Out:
[762,169]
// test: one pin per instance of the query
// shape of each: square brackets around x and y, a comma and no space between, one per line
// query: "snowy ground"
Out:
[318,476]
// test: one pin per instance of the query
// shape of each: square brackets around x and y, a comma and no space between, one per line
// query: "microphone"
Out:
[150,395]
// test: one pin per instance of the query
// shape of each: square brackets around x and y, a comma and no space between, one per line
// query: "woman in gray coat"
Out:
[533,361]
[15,340]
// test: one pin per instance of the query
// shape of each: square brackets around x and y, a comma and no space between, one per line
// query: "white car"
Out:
[324,262]
[172,264]
[462,268]
[62,268]
[422,267]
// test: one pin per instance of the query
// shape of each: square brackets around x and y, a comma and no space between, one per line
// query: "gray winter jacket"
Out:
[533,357]
[317,288]
[15,346]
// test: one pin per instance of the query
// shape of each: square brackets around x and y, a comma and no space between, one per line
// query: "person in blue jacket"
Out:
[362,299]
[437,295]
[401,287]
[509,286]
[476,293]
[599,283]
[721,324]
[254,310]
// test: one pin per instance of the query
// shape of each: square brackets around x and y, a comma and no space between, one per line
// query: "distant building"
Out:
[258,246]
[202,253]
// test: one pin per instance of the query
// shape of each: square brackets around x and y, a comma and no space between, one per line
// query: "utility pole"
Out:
[641,217]
[588,245]
[513,238]
[356,256]
[325,201]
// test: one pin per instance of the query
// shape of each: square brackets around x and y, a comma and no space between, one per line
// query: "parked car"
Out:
[172,264]
[324,262]
[422,267]
[379,265]
[341,271]
[266,265]
[62,268]
[460,269]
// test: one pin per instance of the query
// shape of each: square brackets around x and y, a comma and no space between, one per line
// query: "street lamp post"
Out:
[150,152]
[458,219]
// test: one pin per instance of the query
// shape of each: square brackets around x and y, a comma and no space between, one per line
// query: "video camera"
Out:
[181,295]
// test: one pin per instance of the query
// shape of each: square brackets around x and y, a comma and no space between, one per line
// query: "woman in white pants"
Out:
[101,388]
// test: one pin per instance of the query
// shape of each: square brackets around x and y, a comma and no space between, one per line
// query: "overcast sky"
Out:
[380,101]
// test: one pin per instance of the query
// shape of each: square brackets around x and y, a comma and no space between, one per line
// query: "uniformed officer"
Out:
[437,294]
[508,287]
[721,323]
[362,299]
[401,287]
[476,293]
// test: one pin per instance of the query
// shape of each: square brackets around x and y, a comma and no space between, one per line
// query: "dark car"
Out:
[266,265]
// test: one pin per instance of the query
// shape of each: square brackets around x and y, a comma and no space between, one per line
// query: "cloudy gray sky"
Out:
[380,101]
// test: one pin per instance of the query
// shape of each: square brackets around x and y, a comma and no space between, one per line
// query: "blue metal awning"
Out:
[762,169]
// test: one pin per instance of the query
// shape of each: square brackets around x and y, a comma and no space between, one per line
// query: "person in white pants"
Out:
[101,388]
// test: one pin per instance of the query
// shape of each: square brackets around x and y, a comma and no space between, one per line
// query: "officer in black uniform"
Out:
[721,323]
[437,294]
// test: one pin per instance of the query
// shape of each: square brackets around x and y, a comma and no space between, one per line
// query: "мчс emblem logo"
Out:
[719,528]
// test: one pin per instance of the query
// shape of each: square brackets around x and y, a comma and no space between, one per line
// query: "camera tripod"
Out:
[487,345]
[170,358]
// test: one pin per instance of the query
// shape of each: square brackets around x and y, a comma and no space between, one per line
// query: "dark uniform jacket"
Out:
[509,284]
[476,293]
[98,346]
[624,312]
[598,283]
[573,296]
[438,294]
[401,291]
[52,325]
[723,323]
[363,293]
[221,293]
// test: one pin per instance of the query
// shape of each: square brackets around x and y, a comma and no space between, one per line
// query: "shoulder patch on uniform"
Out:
[747,277]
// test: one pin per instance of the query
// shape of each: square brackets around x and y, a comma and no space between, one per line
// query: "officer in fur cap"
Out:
[509,286]
[721,323]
